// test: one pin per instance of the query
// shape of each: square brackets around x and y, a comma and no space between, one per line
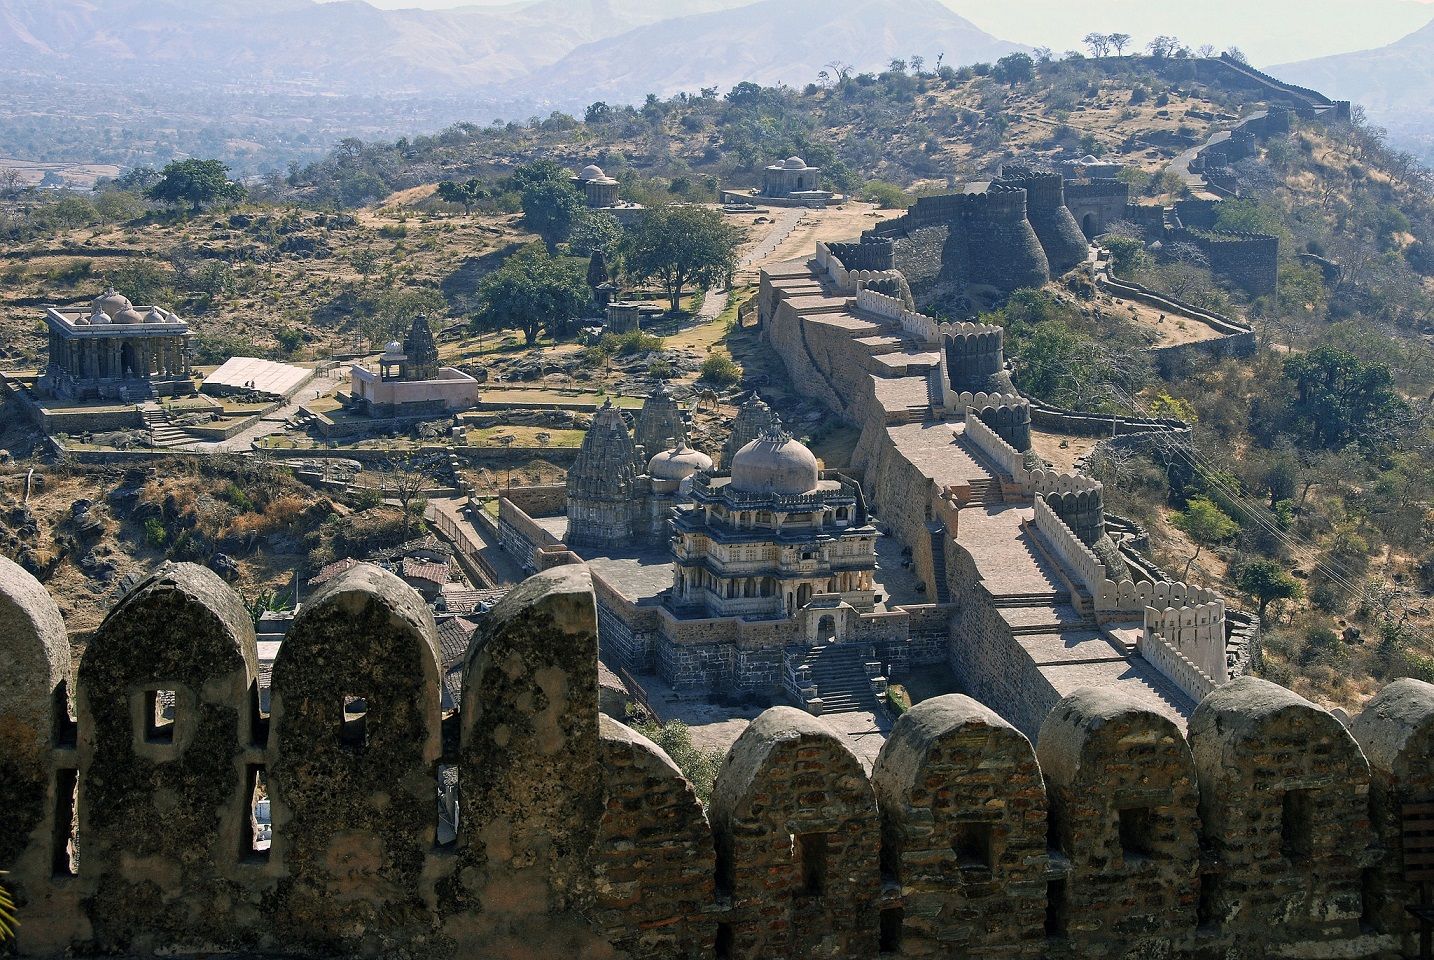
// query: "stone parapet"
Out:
[578,837]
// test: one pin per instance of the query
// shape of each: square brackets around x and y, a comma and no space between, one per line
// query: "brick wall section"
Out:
[653,866]
[1396,732]
[963,825]
[1123,810]
[1284,800]
[797,836]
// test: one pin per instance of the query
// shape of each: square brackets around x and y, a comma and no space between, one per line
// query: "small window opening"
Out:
[1137,840]
[160,707]
[1056,908]
[353,730]
[724,941]
[810,852]
[65,853]
[973,846]
[447,804]
[66,730]
[1369,898]
[258,717]
[1205,911]
[1297,824]
[258,831]
[891,920]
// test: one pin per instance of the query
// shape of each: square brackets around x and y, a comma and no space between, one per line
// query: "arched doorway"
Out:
[804,593]
[826,628]
[1087,224]
[128,364]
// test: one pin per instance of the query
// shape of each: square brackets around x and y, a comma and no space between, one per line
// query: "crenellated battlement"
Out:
[576,836]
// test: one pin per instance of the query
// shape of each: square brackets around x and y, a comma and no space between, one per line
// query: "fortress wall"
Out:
[1097,204]
[579,838]
[1250,261]
[1060,234]
[900,494]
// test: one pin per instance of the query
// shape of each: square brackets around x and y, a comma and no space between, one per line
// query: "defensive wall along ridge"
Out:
[1040,600]
[1270,829]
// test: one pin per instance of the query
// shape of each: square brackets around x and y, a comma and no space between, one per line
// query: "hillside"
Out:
[770,43]
[1394,83]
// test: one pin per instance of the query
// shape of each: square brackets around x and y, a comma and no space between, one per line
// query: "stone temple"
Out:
[410,381]
[770,536]
[116,351]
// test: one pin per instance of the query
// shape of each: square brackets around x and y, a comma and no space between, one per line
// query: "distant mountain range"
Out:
[1394,83]
[551,50]
[770,42]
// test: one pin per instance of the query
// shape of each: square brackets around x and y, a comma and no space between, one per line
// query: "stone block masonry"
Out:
[579,838]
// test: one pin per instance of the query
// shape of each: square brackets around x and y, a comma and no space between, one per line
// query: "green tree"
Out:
[466,194]
[678,246]
[1205,523]
[391,313]
[1015,68]
[699,766]
[550,201]
[594,231]
[197,183]
[1340,398]
[1265,581]
[533,292]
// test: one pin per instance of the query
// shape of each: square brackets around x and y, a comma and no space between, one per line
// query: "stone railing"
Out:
[1175,666]
[1128,596]
[1070,550]
[1007,457]
[1196,631]
[847,281]
[1271,828]
[960,403]
[918,326]
[1041,481]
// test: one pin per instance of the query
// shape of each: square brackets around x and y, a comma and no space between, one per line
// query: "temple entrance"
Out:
[128,362]
[826,628]
[804,593]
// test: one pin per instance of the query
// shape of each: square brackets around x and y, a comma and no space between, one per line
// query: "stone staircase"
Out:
[162,432]
[834,677]
[938,561]
[986,493]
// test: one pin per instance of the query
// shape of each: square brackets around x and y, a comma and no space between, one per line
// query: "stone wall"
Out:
[577,837]
[1097,204]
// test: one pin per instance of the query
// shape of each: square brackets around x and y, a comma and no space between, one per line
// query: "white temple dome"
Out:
[112,303]
[393,347]
[794,163]
[592,172]
[156,315]
[128,315]
[678,464]
[99,316]
[775,463]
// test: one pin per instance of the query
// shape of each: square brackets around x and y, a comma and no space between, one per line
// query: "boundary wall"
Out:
[1270,830]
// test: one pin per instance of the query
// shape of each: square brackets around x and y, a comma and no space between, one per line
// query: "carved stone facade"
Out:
[762,541]
[116,351]
[603,484]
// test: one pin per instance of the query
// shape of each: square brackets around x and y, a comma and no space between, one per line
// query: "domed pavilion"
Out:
[114,350]
[773,533]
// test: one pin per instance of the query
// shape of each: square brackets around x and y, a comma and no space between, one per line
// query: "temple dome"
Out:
[99,316]
[128,315]
[592,172]
[112,303]
[775,463]
[794,163]
[155,315]
[393,347]
[678,464]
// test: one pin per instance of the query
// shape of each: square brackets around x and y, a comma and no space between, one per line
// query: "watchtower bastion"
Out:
[1269,829]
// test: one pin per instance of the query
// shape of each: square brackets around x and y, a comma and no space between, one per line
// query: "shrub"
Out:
[897,698]
[720,369]
[886,195]
[154,533]
[699,766]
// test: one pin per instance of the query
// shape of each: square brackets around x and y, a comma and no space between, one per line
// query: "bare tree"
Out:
[1119,41]
[1099,44]
[1205,51]
[1163,46]
[405,480]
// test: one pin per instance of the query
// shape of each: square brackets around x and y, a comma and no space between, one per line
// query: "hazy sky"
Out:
[1269,31]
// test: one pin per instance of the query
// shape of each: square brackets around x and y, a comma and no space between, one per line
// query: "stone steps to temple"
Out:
[1032,599]
[838,670]
[163,433]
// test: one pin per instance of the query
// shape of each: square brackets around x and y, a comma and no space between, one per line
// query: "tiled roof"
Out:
[331,570]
